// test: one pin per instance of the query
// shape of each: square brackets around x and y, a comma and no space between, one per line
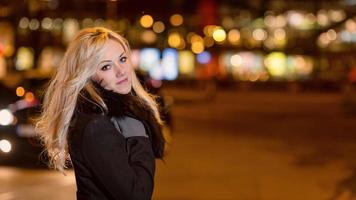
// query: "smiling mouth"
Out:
[122,81]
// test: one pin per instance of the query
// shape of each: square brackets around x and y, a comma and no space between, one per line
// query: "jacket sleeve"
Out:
[122,175]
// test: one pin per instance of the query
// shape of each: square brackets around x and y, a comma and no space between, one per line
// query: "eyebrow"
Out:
[110,60]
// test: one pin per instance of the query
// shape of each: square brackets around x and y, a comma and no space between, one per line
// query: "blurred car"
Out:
[19,144]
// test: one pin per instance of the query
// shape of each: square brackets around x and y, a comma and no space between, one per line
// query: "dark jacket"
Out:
[106,164]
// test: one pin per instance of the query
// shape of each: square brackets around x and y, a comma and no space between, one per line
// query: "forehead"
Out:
[111,49]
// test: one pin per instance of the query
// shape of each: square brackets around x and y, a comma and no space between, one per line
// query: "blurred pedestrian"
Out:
[97,116]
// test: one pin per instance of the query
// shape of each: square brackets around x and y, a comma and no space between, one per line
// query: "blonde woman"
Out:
[97,115]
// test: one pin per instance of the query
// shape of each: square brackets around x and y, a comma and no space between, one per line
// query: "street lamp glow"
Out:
[5,146]
[219,34]
[146,21]
[6,117]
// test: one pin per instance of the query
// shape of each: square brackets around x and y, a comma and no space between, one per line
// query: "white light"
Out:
[6,117]
[5,146]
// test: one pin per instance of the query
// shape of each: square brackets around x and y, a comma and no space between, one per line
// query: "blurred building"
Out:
[261,41]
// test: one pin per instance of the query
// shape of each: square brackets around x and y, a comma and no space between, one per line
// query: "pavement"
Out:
[237,145]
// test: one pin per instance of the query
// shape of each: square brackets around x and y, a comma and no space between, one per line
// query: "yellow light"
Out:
[148,36]
[219,34]
[209,30]
[196,38]
[29,96]
[186,63]
[331,34]
[174,40]
[20,91]
[350,25]
[259,34]
[158,27]
[208,41]
[197,47]
[176,19]
[276,63]
[280,34]
[234,36]
[236,60]
[146,21]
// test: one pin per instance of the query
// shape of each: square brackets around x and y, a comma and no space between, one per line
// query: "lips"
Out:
[122,81]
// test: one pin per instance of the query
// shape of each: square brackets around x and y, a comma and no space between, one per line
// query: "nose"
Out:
[119,70]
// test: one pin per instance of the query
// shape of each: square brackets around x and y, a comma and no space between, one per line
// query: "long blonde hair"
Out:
[72,76]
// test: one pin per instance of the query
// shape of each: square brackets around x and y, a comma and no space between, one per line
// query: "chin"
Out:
[124,90]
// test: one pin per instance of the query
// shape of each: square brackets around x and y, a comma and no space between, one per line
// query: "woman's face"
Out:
[114,69]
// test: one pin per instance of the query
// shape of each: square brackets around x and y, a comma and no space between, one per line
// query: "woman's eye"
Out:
[105,67]
[123,59]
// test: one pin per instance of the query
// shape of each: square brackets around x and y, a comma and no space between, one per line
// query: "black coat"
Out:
[106,164]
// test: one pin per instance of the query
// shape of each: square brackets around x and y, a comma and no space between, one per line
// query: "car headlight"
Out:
[5,146]
[6,117]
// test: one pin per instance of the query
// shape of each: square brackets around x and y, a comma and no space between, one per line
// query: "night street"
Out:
[244,145]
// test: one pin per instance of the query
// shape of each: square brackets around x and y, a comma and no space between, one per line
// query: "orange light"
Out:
[29,96]
[20,91]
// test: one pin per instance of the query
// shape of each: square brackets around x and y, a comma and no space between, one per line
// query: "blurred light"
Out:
[276,64]
[135,58]
[3,67]
[269,21]
[158,27]
[57,23]
[350,25]
[46,23]
[234,36]
[311,18]
[259,34]
[189,36]
[219,34]
[236,60]
[146,21]
[6,117]
[34,24]
[24,58]
[170,64]
[20,91]
[174,40]
[196,38]
[280,34]
[88,22]
[208,41]
[336,15]
[345,36]
[5,146]
[322,18]
[186,63]
[29,97]
[280,21]
[149,57]
[204,57]
[295,18]
[24,23]
[176,19]
[197,47]
[209,30]
[331,34]
[227,22]
[70,28]
[148,36]
[99,22]
[323,40]
[304,66]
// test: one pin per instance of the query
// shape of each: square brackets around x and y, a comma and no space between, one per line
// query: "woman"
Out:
[97,115]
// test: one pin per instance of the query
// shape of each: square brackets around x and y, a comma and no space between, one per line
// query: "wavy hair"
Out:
[71,78]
